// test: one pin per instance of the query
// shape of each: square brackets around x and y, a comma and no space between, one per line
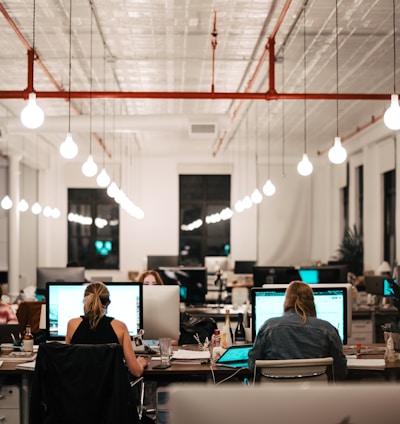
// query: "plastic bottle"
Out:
[240,335]
[27,340]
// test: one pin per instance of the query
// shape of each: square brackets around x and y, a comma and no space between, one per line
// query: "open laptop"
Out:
[6,330]
[235,356]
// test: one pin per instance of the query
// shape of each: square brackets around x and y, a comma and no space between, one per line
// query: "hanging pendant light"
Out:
[305,167]
[23,205]
[337,153]
[32,116]
[6,202]
[89,168]
[392,115]
[103,179]
[269,188]
[69,148]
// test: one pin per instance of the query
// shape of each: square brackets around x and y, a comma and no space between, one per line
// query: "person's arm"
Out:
[12,317]
[71,327]
[339,358]
[135,365]
[258,349]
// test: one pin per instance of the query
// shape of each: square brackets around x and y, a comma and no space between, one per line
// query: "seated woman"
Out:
[7,314]
[94,327]
[151,277]
[299,334]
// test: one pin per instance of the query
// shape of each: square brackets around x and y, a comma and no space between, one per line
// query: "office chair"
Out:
[82,384]
[294,370]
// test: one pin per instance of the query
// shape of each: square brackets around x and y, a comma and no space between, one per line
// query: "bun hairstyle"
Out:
[95,302]
[300,297]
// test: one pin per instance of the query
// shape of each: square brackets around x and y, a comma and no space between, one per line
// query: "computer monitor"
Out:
[333,303]
[379,285]
[157,261]
[161,312]
[274,275]
[191,281]
[216,263]
[44,275]
[244,267]
[3,277]
[65,301]
[324,274]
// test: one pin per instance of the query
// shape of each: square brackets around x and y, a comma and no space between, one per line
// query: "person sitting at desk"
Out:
[150,277]
[7,314]
[94,327]
[299,334]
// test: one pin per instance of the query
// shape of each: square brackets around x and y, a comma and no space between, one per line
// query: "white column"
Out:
[13,226]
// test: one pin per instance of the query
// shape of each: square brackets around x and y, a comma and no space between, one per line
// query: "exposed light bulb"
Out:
[247,203]
[239,206]
[305,167]
[269,188]
[337,153]
[68,148]
[103,179]
[6,202]
[47,211]
[32,116]
[256,196]
[392,115]
[23,205]
[55,213]
[89,168]
[112,190]
[36,208]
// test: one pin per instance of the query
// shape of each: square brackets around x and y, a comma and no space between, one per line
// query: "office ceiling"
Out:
[148,76]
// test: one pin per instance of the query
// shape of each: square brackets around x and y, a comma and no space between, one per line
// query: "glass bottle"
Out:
[240,335]
[227,333]
[27,340]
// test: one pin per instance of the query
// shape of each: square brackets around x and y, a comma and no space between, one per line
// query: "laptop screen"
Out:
[235,356]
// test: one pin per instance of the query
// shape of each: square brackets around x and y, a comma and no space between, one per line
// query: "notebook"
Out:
[235,356]
[6,330]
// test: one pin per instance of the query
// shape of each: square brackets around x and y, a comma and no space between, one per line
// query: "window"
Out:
[389,216]
[93,229]
[201,196]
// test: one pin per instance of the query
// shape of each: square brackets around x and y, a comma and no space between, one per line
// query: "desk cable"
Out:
[227,378]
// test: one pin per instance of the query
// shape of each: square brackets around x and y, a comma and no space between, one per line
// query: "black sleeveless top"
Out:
[103,333]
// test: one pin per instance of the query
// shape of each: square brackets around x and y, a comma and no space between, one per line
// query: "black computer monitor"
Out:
[191,280]
[333,303]
[274,275]
[3,277]
[380,285]
[244,267]
[65,301]
[324,274]
[46,275]
[157,261]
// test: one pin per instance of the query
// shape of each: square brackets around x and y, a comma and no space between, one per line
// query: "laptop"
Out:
[235,356]
[6,330]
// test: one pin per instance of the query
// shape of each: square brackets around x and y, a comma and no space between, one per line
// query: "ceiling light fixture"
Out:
[32,116]
[68,148]
[305,167]
[392,115]
[337,153]
[6,202]
[89,168]
[269,188]
[103,179]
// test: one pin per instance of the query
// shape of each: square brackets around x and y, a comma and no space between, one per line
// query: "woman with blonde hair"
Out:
[298,333]
[95,327]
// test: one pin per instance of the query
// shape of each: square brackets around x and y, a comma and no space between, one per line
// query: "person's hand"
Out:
[142,362]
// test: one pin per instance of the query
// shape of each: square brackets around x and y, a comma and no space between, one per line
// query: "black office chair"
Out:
[82,384]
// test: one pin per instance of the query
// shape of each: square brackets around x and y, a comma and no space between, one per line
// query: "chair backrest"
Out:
[81,384]
[293,370]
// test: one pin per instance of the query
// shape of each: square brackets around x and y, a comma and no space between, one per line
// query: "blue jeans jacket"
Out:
[287,337]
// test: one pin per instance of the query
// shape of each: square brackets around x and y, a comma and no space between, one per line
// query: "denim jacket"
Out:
[287,337]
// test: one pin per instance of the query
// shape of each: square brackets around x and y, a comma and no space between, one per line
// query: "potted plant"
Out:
[393,328]
[351,251]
